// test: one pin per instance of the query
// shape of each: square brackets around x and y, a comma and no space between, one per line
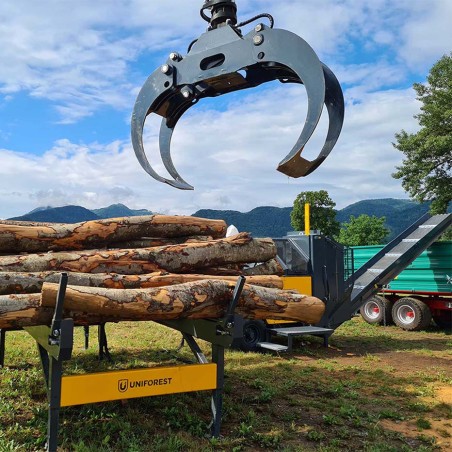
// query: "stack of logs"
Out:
[154,267]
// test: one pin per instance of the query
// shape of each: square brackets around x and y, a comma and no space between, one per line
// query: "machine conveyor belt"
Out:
[388,263]
[398,254]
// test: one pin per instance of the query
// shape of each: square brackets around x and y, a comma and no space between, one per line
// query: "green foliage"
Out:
[423,424]
[315,435]
[426,169]
[323,215]
[363,230]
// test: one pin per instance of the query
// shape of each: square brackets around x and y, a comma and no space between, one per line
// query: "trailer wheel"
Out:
[411,314]
[254,331]
[444,320]
[377,310]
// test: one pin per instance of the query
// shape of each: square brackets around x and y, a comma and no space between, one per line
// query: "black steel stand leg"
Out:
[217,395]
[289,343]
[2,347]
[45,362]
[103,344]
[86,334]
[56,370]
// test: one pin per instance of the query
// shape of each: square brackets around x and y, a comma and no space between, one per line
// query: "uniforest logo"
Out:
[124,384]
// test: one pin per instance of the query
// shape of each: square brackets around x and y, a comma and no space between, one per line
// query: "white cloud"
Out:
[80,54]
[231,161]
[428,36]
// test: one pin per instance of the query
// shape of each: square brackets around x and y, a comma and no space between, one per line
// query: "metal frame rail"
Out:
[104,353]
[55,344]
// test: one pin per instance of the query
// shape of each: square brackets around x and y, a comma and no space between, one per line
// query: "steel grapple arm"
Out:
[222,60]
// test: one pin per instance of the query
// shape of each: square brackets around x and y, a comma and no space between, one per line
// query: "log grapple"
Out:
[223,60]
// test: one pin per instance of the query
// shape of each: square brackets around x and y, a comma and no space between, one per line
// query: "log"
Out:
[229,270]
[195,300]
[183,258]
[17,238]
[19,283]
[19,311]
[271,267]
[149,242]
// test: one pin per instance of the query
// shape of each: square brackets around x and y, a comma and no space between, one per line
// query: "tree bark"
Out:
[18,283]
[150,242]
[98,233]
[230,270]
[183,258]
[195,300]
[271,267]
[18,311]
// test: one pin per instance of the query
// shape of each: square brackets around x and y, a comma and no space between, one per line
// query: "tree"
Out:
[323,215]
[426,170]
[363,230]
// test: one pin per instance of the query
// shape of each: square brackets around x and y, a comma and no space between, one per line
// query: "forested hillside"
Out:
[275,222]
[264,221]
[75,214]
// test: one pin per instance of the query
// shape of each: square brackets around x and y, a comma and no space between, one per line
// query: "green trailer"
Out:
[422,291]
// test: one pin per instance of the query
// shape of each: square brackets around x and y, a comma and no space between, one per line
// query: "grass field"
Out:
[374,389]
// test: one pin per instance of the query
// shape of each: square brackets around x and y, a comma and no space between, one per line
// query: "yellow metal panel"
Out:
[128,384]
[302,284]
[278,322]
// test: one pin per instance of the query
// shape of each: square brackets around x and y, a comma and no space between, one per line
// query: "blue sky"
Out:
[71,71]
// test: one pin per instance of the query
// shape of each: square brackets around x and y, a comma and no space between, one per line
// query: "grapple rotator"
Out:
[223,60]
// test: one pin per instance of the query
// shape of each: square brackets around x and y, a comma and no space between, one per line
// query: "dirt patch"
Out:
[400,362]
[444,394]
[409,362]
[441,431]
[413,369]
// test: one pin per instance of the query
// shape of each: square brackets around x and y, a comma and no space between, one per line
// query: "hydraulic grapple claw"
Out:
[222,60]
[296,166]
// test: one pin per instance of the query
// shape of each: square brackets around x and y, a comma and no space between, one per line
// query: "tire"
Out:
[411,314]
[444,320]
[377,310]
[254,331]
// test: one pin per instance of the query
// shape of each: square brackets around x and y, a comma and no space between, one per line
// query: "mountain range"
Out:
[275,221]
[75,214]
[264,221]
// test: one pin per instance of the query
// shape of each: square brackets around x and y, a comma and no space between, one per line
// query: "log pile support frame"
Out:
[55,344]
